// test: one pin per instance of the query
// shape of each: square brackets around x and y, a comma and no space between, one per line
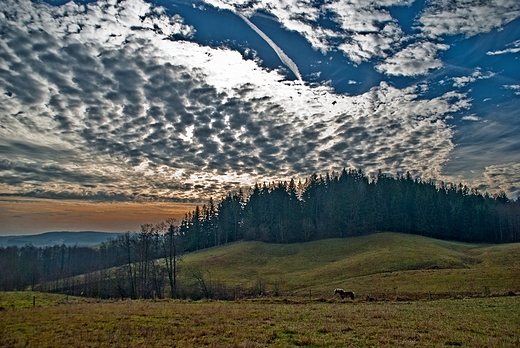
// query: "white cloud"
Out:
[354,17]
[471,118]
[466,17]
[514,49]
[476,75]
[364,46]
[509,50]
[416,59]
[514,88]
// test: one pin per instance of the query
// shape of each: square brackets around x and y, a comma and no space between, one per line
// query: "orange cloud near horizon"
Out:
[33,216]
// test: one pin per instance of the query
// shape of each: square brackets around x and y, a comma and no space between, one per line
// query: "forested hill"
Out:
[352,204]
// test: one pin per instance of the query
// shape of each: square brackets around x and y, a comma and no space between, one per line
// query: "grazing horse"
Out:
[343,293]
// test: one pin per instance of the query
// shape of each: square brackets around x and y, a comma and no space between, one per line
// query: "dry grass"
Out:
[474,322]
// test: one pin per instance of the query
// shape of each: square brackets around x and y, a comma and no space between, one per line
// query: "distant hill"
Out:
[84,238]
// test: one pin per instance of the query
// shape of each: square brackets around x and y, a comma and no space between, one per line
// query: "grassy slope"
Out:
[378,263]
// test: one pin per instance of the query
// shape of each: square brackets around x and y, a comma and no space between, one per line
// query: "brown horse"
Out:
[343,293]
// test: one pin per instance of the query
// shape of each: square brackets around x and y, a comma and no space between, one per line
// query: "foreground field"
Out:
[72,322]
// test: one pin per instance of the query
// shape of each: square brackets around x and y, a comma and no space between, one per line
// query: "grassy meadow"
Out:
[410,291]
[470,322]
[383,265]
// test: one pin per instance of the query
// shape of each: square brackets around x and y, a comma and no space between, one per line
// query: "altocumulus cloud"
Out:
[416,59]
[112,101]
[466,17]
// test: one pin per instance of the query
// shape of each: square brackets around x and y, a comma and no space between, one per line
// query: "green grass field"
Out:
[472,322]
[383,264]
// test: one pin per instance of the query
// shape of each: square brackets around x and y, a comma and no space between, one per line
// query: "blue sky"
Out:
[177,101]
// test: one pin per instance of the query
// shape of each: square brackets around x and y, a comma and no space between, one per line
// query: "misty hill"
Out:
[83,238]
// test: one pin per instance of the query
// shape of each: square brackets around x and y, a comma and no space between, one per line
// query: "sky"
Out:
[118,113]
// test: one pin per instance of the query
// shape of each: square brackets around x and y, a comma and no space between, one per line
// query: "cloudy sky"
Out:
[118,113]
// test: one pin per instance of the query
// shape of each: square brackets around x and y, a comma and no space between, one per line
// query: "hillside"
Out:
[84,238]
[379,263]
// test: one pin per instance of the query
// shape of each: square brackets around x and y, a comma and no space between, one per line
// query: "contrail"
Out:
[283,57]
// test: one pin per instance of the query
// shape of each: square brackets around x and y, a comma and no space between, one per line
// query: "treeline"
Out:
[350,203]
[51,268]
[134,265]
